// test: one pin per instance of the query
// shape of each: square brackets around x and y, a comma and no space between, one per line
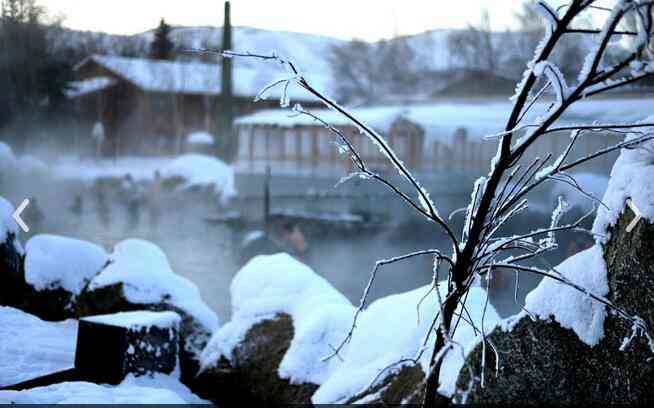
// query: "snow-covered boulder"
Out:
[579,351]
[200,171]
[139,277]
[11,256]
[56,270]
[286,320]
[138,342]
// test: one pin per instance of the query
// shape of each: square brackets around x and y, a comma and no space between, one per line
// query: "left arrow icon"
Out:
[17,214]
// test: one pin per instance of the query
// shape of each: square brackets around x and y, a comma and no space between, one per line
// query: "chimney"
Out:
[226,92]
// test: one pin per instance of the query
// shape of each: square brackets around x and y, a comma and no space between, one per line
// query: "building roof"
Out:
[440,120]
[193,77]
[87,86]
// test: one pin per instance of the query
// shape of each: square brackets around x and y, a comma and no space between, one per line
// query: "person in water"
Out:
[154,200]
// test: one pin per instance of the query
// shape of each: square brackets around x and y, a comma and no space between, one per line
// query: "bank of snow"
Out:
[389,330]
[59,262]
[160,389]
[200,138]
[147,278]
[31,347]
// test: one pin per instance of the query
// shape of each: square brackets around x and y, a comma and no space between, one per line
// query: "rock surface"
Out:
[252,376]
[541,362]
[111,299]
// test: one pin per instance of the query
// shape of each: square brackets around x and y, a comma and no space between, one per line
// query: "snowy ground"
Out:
[31,348]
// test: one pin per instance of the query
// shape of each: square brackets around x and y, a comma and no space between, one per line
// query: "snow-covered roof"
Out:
[440,120]
[194,77]
[87,86]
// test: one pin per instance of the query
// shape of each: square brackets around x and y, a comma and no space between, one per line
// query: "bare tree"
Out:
[474,48]
[479,250]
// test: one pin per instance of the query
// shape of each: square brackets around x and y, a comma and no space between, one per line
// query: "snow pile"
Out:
[147,278]
[31,347]
[632,177]
[570,308]
[137,319]
[200,138]
[7,224]
[200,170]
[59,262]
[131,391]
[389,330]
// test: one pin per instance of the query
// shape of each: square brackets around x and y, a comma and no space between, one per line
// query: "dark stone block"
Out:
[111,346]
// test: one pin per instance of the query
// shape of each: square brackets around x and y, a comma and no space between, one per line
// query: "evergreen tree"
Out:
[162,47]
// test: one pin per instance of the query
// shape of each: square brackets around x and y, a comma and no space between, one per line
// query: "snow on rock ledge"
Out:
[632,177]
[59,262]
[389,330]
[570,308]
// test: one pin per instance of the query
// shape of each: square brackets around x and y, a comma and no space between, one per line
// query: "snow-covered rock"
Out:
[570,308]
[53,262]
[197,170]
[271,291]
[140,277]
[605,354]
[632,177]
[140,342]
[31,347]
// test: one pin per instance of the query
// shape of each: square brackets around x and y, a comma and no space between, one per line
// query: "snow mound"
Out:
[147,278]
[7,224]
[569,307]
[200,138]
[389,330]
[632,177]
[201,170]
[31,347]
[59,262]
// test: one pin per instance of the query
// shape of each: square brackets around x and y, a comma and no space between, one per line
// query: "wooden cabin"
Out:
[150,106]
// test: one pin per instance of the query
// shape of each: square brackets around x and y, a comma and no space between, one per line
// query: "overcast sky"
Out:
[364,19]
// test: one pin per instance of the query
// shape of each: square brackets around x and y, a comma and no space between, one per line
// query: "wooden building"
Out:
[149,106]
[446,136]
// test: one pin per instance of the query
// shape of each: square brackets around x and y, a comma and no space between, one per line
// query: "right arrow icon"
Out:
[17,214]
[633,222]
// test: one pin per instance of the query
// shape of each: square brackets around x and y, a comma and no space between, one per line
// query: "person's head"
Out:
[292,233]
